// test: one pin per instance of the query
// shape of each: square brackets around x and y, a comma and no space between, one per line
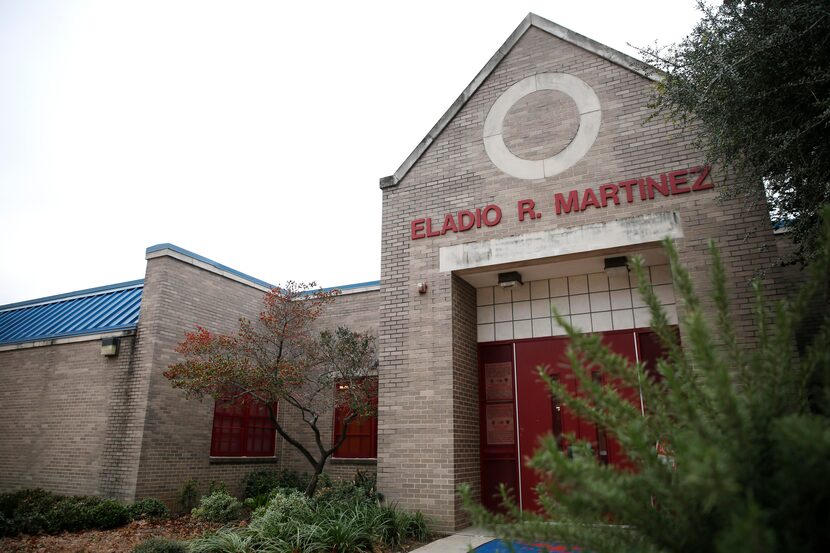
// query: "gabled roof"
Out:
[531,20]
[93,311]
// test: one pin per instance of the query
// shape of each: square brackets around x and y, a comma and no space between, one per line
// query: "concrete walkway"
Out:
[460,542]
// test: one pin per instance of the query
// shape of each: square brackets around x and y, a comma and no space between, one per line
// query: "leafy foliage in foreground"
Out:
[746,434]
[150,508]
[291,522]
[218,506]
[265,481]
[753,79]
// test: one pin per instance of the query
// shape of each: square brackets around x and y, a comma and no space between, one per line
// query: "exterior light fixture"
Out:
[422,287]
[509,280]
[616,266]
[109,347]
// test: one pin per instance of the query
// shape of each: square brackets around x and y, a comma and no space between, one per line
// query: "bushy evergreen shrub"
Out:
[265,481]
[36,511]
[70,514]
[745,434]
[218,507]
[362,488]
[25,510]
[109,514]
[189,494]
[148,508]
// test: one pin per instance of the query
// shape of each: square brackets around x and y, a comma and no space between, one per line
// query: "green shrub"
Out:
[362,488]
[148,508]
[70,514]
[218,507]
[265,481]
[160,545]
[109,514]
[36,511]
[282,508]
[260,501]
[189,494]
[217,486]
[25,511]
[6,525]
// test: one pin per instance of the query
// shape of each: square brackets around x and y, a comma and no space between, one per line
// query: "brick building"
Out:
[76,421]
[528,194]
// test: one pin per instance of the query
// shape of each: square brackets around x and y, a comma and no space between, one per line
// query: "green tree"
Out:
[753,79]
[745,434]
[279,360]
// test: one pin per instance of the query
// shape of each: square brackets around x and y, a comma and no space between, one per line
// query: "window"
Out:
[242,428]
[362,436]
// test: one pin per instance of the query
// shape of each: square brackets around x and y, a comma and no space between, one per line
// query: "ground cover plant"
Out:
[218,506]
[743,463]
[346,517]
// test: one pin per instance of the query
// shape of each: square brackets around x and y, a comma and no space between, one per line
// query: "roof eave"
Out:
[531,20]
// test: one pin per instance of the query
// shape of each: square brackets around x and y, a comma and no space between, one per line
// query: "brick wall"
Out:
[177,432]
[466,460]
[56,421]
[424,372]
[357,311]
[175,447]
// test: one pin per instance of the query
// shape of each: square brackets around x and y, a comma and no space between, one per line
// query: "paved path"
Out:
[460,542]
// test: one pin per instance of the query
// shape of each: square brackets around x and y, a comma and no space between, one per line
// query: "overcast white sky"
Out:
[252,133]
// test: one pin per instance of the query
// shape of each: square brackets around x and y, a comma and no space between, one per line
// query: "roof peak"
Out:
[530,20]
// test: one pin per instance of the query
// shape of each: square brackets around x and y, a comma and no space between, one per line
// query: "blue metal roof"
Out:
[104,309]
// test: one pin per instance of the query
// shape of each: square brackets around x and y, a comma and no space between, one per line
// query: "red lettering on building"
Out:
[627,185]
[676,179]
[466,220]
[702,172]
[608,191]
[418,229]
[672,183]
[449,224]
[651,185]
[588,198]
[561,205]
[527,208]
[485,215]
[430,232]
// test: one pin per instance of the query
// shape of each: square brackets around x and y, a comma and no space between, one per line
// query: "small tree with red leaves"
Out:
[279,358]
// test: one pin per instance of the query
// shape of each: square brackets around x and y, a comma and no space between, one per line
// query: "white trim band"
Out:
[561,241]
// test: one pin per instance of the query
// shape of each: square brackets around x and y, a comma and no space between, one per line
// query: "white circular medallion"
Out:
[590,116]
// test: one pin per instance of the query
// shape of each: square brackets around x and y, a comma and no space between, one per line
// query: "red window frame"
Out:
[242,428]
[362,435]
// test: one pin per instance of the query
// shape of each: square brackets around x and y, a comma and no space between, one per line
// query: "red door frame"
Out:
[520,478]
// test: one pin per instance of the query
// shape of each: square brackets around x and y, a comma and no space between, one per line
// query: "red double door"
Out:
[517,408]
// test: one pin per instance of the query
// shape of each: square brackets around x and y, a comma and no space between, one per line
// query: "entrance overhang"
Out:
[631,231]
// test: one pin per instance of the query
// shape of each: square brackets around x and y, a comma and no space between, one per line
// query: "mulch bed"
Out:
[122,540]
[117,540]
